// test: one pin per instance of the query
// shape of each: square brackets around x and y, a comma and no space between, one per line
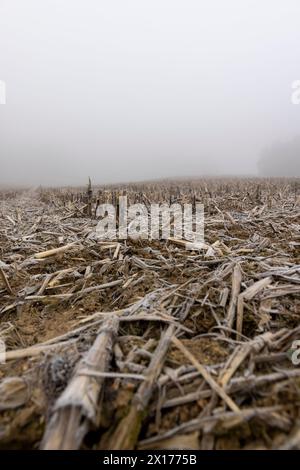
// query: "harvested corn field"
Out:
[143,344]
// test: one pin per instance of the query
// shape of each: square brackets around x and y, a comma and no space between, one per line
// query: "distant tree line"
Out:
[281,159]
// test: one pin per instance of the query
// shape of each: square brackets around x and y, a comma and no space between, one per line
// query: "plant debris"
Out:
[138,344]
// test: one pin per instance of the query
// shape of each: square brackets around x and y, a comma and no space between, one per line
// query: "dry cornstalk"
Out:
[54,251]
[206,375]
[6,282]
[240,354]
[128,429]
[236,287]
[78,408]
[33,351]
[248,294]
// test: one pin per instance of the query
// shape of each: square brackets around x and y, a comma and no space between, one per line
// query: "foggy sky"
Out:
[139,89]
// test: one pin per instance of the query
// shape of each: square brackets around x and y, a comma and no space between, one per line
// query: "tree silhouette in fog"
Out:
[281,159]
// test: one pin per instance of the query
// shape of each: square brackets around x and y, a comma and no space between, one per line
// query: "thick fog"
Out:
[137,89]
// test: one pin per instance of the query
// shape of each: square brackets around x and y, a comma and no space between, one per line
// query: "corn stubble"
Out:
[142,344]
